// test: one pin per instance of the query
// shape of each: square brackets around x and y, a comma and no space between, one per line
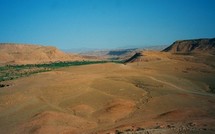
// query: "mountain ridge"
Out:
[11,53]
[192,46]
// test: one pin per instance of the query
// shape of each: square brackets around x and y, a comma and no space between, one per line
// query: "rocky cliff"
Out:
[196,45]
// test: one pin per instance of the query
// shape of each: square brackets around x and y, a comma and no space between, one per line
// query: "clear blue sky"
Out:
[105,23]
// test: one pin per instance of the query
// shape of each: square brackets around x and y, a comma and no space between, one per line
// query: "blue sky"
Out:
[101,24]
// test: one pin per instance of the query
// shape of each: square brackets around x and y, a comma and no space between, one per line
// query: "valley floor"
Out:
[157,93]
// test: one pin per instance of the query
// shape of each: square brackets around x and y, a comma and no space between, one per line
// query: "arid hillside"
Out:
[156,93]
[151,93]
[196,45]
[31,54]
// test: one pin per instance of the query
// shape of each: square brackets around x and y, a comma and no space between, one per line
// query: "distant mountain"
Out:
[115,54]
[196,45]
[30,54]
[121,52]
[155,47]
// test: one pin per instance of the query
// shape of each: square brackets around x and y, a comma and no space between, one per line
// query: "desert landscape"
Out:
[149,92]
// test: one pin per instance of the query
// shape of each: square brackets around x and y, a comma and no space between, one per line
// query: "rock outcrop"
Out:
[194,46]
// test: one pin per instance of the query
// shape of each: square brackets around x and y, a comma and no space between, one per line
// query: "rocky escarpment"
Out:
[196,45]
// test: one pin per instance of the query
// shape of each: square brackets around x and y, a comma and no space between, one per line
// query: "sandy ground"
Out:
[159,93]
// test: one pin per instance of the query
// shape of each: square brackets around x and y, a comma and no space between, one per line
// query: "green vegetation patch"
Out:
[10,72]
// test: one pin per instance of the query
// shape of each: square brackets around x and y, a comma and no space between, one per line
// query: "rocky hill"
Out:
[31,54]
[196,45]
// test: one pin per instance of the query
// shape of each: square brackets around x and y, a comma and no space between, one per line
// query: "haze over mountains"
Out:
[31,54]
